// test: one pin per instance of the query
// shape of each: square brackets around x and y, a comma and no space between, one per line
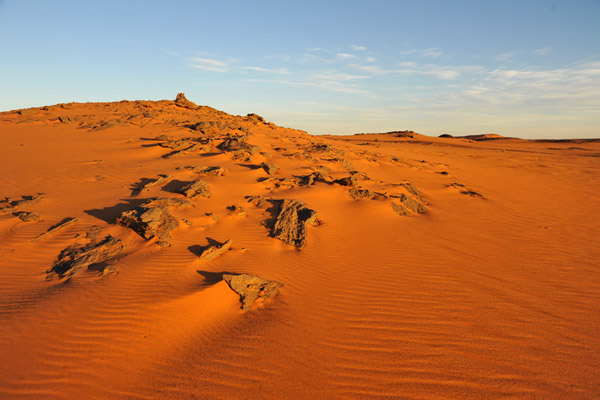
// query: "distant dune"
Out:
[165,250]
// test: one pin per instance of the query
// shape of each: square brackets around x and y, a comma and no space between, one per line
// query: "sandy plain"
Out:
[488,288]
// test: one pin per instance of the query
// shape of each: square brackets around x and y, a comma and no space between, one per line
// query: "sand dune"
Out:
[481,281]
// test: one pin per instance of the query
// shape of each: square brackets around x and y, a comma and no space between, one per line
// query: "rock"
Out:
[251,287]
[214,251]
[64,120]
[238,210]
[61,225]
[358,193]
[310,179]
[256,119]
[151,219]
[197,188]
[169,202]
[411,188]
[210,171]
[351,180]
[75,259]
[181,101]
[15,205]
[233,143]
[291,220]
[400,209]
[153,182]
[27,216]
[256,200]
[412,204]
[269,168]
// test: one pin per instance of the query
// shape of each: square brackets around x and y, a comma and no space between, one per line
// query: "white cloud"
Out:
[279,71]
[370,59]
[358,48]
[432,52]
[543,51]
[345,56]
[208,64]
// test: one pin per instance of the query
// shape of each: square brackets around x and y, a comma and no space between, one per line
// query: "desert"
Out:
[169,250]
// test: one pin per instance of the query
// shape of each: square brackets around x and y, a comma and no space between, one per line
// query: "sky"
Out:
[527,69]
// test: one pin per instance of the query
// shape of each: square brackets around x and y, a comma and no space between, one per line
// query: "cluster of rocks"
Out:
[75,259]
[10,206]
[153,219]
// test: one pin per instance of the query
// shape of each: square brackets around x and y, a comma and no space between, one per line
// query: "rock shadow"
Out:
[197,250]
[212,278]
[110,214]
[175,185]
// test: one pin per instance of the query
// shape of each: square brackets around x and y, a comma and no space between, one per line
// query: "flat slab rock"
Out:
[151,219]
[214,251]
[75,259]
[251,287]
[290,224]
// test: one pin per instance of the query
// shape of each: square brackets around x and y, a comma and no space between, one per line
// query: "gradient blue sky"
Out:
[518,68]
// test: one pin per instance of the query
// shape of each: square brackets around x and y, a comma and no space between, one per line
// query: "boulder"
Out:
[216,250]
[269,168]
[251,287]
[197,188]
[151,219]
[291,220]
[75,259]
[358,193]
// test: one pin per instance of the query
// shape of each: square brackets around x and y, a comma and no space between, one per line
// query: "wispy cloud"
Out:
[279,71]
[542,51]
[345,56]
[506,56]
[432,52]
[209,64]
[371,59]
[358,48]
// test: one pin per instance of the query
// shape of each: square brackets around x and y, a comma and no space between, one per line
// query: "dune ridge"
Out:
[431,267]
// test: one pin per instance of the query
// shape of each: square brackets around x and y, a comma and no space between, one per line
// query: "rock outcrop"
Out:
[9,206]
[60,226]
[197,188]
[151,219]
[251,287]
[75,259]
[291,220]
[181,101]
[216,250]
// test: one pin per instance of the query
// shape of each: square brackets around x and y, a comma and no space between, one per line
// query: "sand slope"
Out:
[493,292]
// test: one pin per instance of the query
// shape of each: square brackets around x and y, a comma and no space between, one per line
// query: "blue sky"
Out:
[518,68]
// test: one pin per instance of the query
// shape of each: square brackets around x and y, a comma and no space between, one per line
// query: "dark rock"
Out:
[75,259]
[233,143]
[238,210]
[256,200]
[256,119]
[216,250]
[64,120]
[197,188]
[181,101]
[446,135]
[311,179]
[251,287]
[412,204]
[27,216]
[8,206]
[465,190]
[351,180]
[53,229]
[151,219]
[210,171]
[400,209]
[291,220]
[269,168]
[358,193]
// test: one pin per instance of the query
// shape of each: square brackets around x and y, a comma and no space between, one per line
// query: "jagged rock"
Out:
[181,101]
[75,259]
[214,251]
[154,182]
[360,193]
[151,219]
[251,287]
[27,216]
[291,220]
[310,179]
[256,200]
[412,204]
[351,180]
[400,209]
[238,210]
[168,202]
[15,205]
[197,188]
[269,168]
[256,119]
[210,171]
[63,224]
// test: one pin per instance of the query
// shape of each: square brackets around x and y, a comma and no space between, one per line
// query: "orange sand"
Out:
[481,297]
